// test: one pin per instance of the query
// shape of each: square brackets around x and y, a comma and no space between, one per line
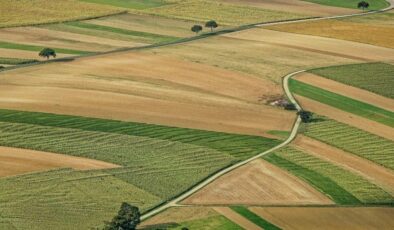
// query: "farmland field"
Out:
[375,28]
[374,4]
[25,12]
[344,103]
[352,140]
[359,75]
[341,185]
[133,4]
[254,218]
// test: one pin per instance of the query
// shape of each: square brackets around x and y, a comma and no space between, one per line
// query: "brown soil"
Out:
[345,117]
[328,217]
[294,6]
[15,161]
[347,90]
[375,173]
[147,88]
[236,218]
[258,183]
[59,39]
[327,46]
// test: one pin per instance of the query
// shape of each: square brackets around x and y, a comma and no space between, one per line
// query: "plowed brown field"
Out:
[14,161]
[328,218]
[147,88]
[345,117]
[258,183]
[375,173]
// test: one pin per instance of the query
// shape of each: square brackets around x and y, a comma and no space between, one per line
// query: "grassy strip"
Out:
[17,46]
[254,218]
[132,4]
[149,36]
[15,61]
[213,222]
[344,103]
[373,4]
[317,180]
[352,140]
[346,187]
[239,146]
[374,77]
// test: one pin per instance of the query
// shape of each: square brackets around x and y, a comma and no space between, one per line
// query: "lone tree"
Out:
[363,4]
[211,24]
[196,28]
[47,52]
[306,116]
[127,219]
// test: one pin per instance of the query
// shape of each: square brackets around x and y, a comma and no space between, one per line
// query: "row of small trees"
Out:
[209,24]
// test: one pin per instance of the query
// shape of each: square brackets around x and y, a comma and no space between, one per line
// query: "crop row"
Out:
[342,186]
[353,140]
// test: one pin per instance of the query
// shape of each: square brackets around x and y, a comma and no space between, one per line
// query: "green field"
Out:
[210,223]
[142,36]
[224,14]
[17,46]
[66,199]
[344,103]
[352,140]
[373,4]
[15,61]
[132,4]
[375,77]
[254,218]
[339,184]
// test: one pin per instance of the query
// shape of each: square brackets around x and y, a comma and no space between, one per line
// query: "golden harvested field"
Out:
[14,161]
[23,54]
[333,47]
[345,117]
[377,174]
[28,12]
[294,6]
[258,183]
[372,31]
[223,13]
[328,218]
[265,60]
[58,39]
[147,88]
[347,90]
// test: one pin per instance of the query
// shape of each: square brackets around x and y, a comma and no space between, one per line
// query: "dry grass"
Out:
[375,30]
[28,12]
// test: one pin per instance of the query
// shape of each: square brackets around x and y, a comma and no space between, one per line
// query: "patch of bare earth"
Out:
[328,46]
[258,183]
[14,161]
[345,117]
[328,218]
[237,218]
[147,88]
[377,174]
[294,6]
[347,90]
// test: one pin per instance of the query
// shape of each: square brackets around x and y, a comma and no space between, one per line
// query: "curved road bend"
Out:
[291,137]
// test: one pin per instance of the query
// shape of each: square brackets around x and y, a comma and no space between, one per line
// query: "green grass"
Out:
[280,134]
[239,146]
[373,4]
[66,199]
[344,103]
[342,186]
[375,77]
[352,140]
[17,46]
[210,223]
[152,38]
[254,218]
[132,4]
[15,61]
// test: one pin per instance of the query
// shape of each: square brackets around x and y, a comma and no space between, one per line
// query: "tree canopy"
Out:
[47,52]
[127,219]
[363,5]
[211,24]
[196,28]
